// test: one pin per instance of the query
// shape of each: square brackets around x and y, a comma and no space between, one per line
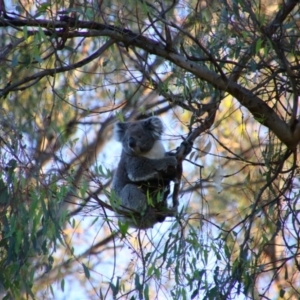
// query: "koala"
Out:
[145,170]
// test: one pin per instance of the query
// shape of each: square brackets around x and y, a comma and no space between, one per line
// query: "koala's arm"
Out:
[141,168]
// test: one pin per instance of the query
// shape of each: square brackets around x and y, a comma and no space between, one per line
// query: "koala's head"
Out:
[138,137]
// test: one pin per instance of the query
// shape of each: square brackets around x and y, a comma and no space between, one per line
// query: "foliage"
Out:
[223,74]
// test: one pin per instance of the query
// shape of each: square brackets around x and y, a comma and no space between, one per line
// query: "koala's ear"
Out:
[119,131]
[155,125]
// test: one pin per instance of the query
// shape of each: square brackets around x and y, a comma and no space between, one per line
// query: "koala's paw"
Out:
[187,146]
[170,161]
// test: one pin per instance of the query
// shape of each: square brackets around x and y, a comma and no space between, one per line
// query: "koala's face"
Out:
[138,137]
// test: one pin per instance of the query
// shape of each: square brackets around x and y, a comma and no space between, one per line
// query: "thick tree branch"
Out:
[257,107]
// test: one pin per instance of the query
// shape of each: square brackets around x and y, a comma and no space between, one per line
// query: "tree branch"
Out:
[257,107]
[38,76]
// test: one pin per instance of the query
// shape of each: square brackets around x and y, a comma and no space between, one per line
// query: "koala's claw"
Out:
[188,145]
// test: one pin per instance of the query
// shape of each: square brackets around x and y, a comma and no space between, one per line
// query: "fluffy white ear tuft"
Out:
[119,131]
[155,125]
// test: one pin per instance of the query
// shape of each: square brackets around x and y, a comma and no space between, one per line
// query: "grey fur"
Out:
[144,169]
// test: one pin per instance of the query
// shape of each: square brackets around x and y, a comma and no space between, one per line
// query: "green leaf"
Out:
[15,60]
[123,227]
[258,45]
[62,285]
[25,32]
[146,292]
[43,7]
[4,197]
[137,282]
[41,35]
[86,271]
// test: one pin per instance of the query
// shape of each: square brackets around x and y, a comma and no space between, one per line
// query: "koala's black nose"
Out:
[132,142]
